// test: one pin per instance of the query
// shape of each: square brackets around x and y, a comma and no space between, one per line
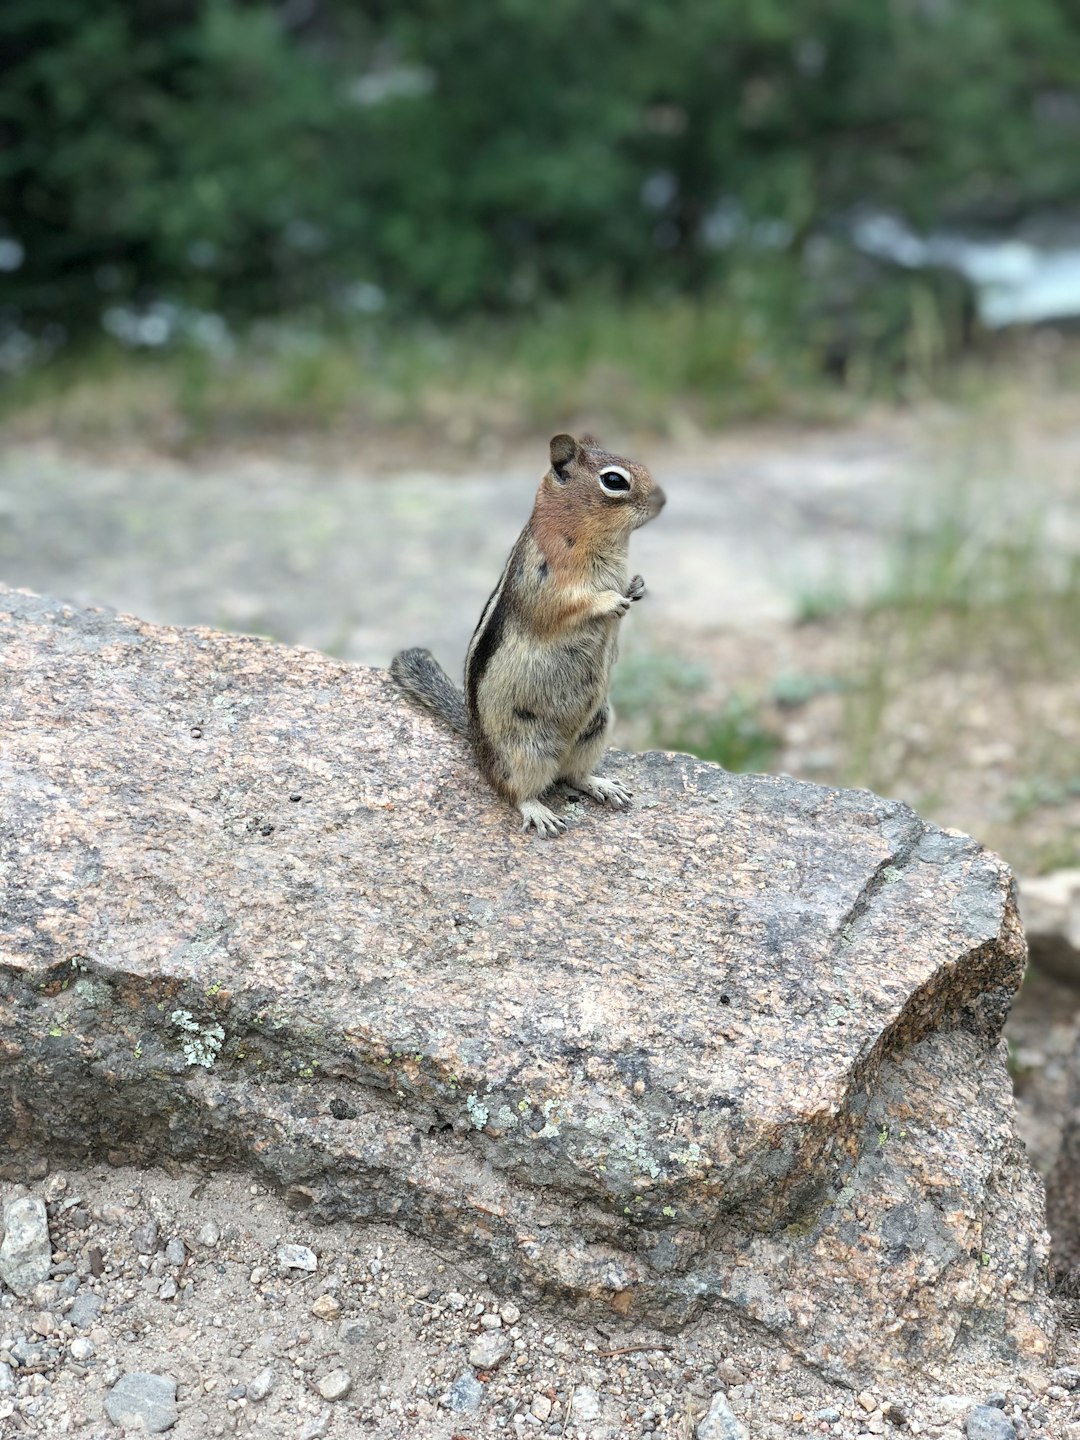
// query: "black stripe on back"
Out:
[489,630]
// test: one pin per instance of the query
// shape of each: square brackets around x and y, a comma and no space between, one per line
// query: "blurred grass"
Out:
[672,366]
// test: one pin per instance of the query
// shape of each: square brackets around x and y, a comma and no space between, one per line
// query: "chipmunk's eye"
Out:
[615,480]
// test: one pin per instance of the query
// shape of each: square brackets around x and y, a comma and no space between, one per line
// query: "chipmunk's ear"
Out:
[564,449]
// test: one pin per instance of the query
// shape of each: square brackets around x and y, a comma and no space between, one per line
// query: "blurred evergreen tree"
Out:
[483,154]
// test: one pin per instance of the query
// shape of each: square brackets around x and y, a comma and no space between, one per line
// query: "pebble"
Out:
[491,1322]
[326,1307]
[85,1310]
[353,1330]
[7,1379]
[145,1237]
[297,1257]
[167,1289]
[335,1386]
[950,1406]
[466,1393]
[585,1406]
[720,1421]
[82,1349]
[454,1300]
[141,1401]
[44,1324]
[540,1408]
[314,1429]
[987,1423]
[510,1314]
[828,1413]
[175,1251]
[490,1349]
[867,1401]
[210,1234]
[730,1373]
[260,1387]
[26,1252]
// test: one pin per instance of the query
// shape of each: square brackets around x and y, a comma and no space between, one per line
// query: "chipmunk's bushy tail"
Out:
[422,677]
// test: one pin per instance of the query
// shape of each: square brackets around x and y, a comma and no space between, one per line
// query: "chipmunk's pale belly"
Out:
[564,684]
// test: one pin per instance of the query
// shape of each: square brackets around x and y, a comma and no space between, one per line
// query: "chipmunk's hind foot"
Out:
[539,818]
[605,792]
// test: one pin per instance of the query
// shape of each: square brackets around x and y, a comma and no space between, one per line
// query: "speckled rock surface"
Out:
[739,1045]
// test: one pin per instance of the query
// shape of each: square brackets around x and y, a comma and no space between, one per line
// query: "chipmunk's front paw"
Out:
[636,588]
[605,792]
[539,818]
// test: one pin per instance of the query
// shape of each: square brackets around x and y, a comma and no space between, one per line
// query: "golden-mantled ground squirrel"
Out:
[539,663]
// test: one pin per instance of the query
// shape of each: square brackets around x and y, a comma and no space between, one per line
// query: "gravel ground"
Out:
[363,1331]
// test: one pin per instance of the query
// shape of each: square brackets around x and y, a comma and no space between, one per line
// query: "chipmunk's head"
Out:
[615,495]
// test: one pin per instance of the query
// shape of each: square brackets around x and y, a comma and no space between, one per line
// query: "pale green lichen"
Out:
[628,1147]
[200,1044]
[690,1156]
[478,1111]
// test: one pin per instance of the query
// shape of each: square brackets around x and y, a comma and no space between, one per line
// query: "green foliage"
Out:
[661,696]
[484,157]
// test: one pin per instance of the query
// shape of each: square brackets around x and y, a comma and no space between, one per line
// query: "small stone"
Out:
[953,1406]
[26,1252]
[986,1423]
[260,1387]
[145,1237]
[997,1400]
[314,1429]
[867,1401]
[510,1314]
[335,1386]
[491,1322]
[109,1214]
[454,1300]
[1067,1376]
[44,1324]
[466,1393]
[326,1307]
[24,1352]
[141,1401]
[730,1373]
[720,1421]
[167,1289]
[85,1310]
[297,1257]
[540,1408]
[82,1349]
[7,1379]
[210,1233]
[585,1406]
[175,1251]
[353,1330]
[828,1413]
[490,1349]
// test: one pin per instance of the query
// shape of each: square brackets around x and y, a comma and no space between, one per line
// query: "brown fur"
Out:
[539,663]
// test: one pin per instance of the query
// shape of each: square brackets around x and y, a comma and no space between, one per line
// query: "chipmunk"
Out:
[539,663]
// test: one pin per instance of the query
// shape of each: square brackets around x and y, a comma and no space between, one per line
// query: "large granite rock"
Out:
[739,1045]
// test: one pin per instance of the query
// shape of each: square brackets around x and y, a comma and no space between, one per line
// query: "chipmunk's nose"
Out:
[657,500]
